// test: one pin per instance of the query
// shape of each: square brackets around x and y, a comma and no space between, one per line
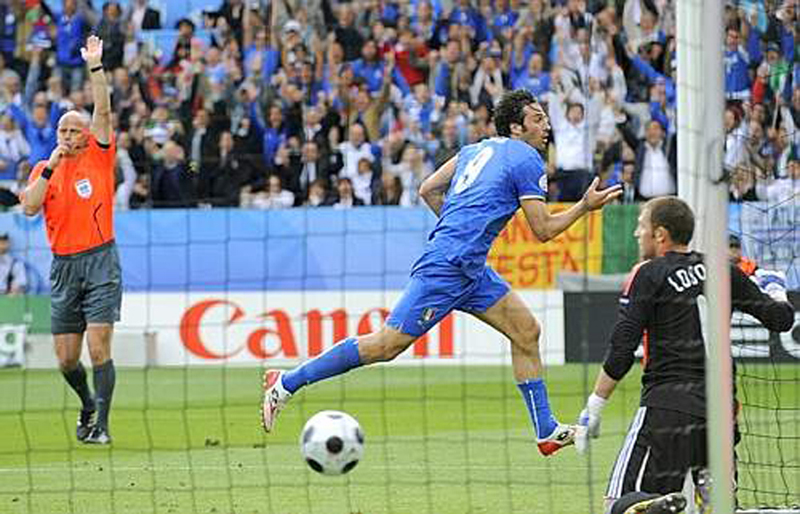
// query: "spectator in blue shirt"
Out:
[654,77]
[449,72]
[421,108]
[465,14]
[269,56]
[8,31]
[534,78]
[435,5]
[71,30]
[424,21]
[752,38]
[659,109]
[308,84]
[40,128]
[737,73]
[370,68]
[782,29]
[272,133]
[390,13]
[504,17]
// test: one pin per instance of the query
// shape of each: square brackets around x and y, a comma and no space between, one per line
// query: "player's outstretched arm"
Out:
[92,53]
[546,226]
[435,186]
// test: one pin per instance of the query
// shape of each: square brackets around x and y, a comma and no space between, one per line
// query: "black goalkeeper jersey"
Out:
[661,307]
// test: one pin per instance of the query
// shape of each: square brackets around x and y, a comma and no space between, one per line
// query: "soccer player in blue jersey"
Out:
[474,194]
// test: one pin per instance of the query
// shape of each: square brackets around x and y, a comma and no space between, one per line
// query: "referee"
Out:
[662,307]
[75,188]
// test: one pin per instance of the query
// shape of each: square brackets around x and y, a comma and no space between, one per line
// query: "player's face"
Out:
[536,126]
[644,236]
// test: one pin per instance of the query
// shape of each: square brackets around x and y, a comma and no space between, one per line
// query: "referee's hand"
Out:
[92,53]
[56,156]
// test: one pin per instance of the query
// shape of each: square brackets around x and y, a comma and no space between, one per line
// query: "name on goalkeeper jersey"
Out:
[683,278]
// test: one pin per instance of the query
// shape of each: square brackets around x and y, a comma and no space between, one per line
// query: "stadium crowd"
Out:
[323,102]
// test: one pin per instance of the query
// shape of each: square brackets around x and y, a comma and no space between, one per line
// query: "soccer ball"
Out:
[332,442]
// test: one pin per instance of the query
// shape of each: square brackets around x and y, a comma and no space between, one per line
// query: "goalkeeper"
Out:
[661,306]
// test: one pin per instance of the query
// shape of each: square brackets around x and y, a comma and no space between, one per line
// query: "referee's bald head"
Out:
[73,131]
[75,117]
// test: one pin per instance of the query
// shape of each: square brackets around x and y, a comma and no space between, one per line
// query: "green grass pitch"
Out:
[438,439]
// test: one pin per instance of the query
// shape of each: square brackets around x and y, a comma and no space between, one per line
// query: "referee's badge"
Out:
[84,188]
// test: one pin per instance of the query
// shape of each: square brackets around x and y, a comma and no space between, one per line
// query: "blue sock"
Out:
[340,359]
[534,393]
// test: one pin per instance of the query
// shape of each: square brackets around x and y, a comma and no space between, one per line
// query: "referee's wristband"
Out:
[47,172]
[99,67]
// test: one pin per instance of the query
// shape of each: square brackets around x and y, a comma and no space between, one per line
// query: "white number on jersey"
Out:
[473,169]
[702,309]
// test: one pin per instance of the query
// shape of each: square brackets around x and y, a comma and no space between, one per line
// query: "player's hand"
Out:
[594,199]
[56,156]
[92,53]
[772,283]
[589,419]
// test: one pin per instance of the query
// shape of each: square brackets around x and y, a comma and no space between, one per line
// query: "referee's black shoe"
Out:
[98,435]
[85,424]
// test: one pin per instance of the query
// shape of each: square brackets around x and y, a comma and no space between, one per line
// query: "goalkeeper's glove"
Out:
[772,283]
[590,421]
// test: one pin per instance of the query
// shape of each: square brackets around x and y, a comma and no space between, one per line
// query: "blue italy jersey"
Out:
[491,178]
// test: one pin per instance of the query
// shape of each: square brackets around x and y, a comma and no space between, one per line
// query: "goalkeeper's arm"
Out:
[590,416]
[763,297]
[625,338]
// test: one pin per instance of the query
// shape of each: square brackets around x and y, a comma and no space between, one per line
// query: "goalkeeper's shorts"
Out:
[661,446]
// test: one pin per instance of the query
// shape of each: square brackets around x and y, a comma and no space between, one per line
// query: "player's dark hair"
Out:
[675,216]
[510,110]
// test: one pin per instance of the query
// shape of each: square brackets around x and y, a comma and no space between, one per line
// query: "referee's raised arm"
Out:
[92,53]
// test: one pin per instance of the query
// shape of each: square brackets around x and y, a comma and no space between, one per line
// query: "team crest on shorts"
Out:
[427,316]
[84,188]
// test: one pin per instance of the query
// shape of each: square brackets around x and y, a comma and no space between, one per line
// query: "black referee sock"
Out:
[104,378]
[76,378]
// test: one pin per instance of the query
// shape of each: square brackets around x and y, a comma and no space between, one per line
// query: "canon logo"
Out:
[276,325]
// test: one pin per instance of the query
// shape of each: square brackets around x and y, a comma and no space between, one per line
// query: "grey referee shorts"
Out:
[86,288]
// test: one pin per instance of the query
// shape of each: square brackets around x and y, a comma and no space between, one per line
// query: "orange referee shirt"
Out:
[78,205]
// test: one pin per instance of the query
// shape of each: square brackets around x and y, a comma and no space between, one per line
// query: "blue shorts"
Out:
[433,294]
